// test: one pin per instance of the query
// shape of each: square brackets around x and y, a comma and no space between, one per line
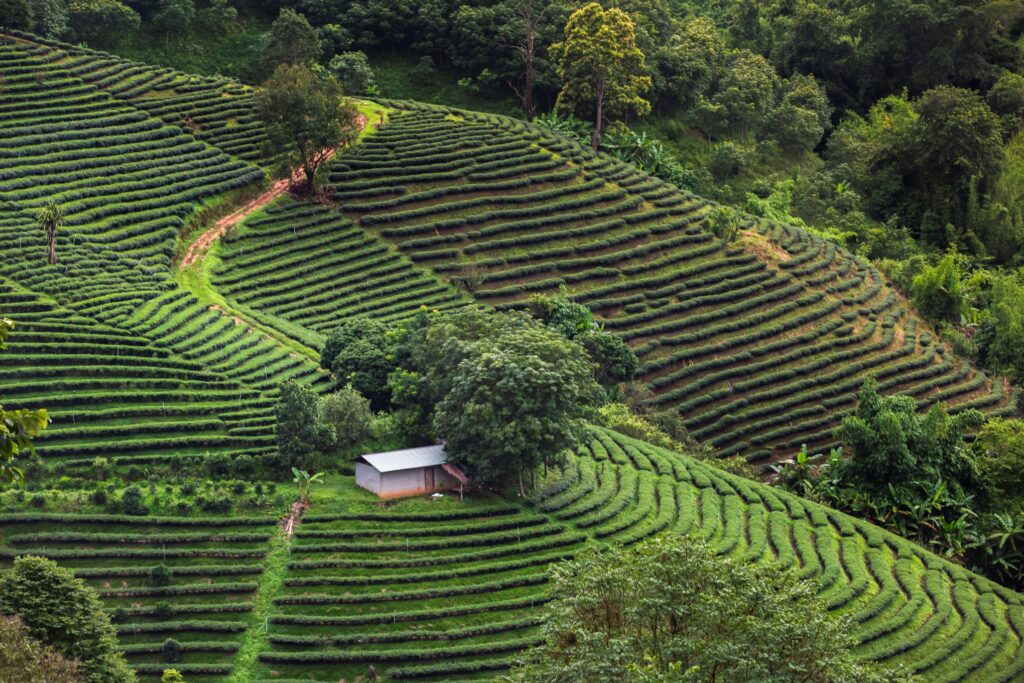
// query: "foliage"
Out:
[175,17]
[172,676]
[132,502]
[1000,337]
[26,660]
[669,609]
[568,125]
[600,66]
[518,400]
[17,427]
[302,433]
[17,14]
[352,69]
[893,449]
[999,448]
[290,42]
[356,351]
[348,412]
[305,117]
[615,359]
[101,23]
[938,292]
[304,482]
[61,611]
[619,417]
[170,650]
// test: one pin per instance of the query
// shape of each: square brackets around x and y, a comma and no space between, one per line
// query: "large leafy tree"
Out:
[61,611]
[303,436]
[17,427]
[26,660]
[291,41]
[306,119]
[601,66]
[517,401]
[356,351]
[102,23]
[669,609]
[894,450]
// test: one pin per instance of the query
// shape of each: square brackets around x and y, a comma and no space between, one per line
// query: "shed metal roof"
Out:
[407,459]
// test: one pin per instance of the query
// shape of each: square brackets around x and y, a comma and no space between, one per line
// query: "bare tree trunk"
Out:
[51,238]
[528,58]
[595,142]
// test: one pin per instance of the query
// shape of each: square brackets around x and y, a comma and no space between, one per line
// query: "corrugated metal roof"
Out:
[407,459]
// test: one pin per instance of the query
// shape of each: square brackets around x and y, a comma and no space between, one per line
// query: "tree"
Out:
[530,14]
[746,91]
[172,676]
[615,359]
[61,611]
[305,117]
[302,434]
[938,291]
[175,17]
[1000,452]
[101,23]
[218,16]
[1000,337]
[893,450]
[17,427]
[25,660]
[348,412]
[1006,98]
[516,402]
[290,42]
[669,609]
[51,219]
[352,69]
[687,66]
[600,66]
[356,351]
[17,14]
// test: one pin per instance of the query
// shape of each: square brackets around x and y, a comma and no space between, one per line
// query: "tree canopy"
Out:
[306,119]
[26,660]
[61,611]
[600,66]
[669,609]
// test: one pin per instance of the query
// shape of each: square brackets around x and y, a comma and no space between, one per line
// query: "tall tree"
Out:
[291,41]
[17,427]
[306,119]
[530,14]
[61,611]
[101,23]
[51,219]
[601,66]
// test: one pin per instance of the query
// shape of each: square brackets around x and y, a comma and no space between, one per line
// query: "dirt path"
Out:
[293,519]
[197,249]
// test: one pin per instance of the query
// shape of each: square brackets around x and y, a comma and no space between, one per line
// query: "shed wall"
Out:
[402,482]
[368,477]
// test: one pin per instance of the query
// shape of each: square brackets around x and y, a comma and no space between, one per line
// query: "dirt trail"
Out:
[293,519]
[197,249]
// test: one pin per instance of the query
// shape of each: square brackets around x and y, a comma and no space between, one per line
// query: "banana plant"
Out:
[304,480]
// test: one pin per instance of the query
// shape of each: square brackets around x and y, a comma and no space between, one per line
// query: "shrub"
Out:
[1000,452]
[352,69]
[160,575]
[170,651]
[132,502]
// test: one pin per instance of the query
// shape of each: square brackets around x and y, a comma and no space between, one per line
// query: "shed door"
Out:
[428,478]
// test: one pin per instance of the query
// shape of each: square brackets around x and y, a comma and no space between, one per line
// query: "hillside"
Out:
[435,591]
[761,343]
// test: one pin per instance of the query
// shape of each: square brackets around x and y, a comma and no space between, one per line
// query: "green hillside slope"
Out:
[761,344]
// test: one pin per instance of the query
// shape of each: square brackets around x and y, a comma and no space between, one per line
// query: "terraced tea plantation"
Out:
[761,344]
[311,266]
[204,603]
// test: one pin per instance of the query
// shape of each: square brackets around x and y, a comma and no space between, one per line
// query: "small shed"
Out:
[409,472]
